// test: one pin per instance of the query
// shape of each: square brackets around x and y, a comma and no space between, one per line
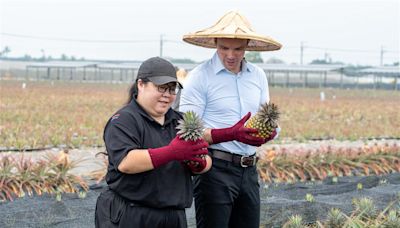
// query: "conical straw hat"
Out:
[232,25]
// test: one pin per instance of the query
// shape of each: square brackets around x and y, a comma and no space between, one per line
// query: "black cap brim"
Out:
[161,80]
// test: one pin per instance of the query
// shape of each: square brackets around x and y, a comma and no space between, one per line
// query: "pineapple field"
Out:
[50,114]
[337,157]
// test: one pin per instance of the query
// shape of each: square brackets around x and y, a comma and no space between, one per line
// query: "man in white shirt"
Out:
[224,91]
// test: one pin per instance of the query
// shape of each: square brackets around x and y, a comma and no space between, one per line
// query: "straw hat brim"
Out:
[235,26]
[256,43]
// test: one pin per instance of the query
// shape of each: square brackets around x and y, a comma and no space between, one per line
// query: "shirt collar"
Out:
[218,66]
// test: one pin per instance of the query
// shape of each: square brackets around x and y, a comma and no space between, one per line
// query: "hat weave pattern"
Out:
[236,26]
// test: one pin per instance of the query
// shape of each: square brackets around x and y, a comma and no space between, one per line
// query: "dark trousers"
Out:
[227,196]
[112,211]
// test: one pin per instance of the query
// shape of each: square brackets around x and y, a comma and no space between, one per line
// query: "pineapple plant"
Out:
[335,219]
[191,128]
[364,208]
[392,220]
[265,120]
[295,221]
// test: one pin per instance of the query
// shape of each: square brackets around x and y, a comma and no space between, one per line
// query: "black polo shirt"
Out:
[132,128]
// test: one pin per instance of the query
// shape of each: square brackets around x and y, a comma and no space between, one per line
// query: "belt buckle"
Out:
[244,160]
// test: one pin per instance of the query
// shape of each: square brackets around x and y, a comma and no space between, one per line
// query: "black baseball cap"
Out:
[159,71]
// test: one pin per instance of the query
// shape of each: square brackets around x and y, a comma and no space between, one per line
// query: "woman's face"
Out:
[156,100]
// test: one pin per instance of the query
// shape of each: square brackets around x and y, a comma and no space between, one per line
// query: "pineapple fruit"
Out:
[191,127]
[265,120]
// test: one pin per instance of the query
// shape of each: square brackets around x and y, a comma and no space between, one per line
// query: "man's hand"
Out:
[274,134]
[196,166]
[239,133]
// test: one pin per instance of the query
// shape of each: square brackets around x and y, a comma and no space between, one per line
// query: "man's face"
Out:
[231,52]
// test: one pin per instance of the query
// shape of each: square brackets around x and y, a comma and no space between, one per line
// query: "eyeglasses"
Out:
[173,90]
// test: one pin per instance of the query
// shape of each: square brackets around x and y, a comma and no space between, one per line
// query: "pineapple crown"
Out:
[190,127]
[269,113]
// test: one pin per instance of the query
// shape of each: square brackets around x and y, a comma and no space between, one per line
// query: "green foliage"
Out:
[274,60]
[364,208]
[190,127]
[335,219]
[254,57]
[183,60]
[309,198]
[364,215]
[5,51]
[295,221]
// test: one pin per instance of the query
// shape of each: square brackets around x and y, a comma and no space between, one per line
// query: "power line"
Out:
[345,50]
[175,41]
[75,40]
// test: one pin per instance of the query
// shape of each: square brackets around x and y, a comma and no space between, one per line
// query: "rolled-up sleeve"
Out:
[119,140]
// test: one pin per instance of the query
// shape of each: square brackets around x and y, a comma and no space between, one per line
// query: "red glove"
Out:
[272,136]
[179,150]
[195,166]
[237,132]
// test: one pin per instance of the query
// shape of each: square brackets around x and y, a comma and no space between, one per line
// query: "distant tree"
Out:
[64,57]
[275,60]
[73,58]
[323,61]
[184,60]
[5,51]
[396,63]
[27,57]
[353,70]
[254,57]
[319,61]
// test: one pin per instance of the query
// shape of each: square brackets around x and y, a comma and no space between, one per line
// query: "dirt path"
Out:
[86,158]
[88,161]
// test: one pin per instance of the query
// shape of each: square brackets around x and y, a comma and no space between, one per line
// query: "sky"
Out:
[351,31]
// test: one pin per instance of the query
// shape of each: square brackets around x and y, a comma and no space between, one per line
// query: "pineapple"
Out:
[191,127]
[265,120]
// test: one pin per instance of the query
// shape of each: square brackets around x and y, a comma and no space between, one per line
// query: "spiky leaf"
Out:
[190,127]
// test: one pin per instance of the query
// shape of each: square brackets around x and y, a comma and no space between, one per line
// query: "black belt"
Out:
[243,161]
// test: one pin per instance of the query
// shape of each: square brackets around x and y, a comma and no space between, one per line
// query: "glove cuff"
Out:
[160,156]
[220,135]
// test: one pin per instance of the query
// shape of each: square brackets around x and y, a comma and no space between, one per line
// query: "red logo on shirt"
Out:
[114,117]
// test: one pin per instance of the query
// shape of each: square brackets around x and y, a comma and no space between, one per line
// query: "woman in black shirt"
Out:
[148,184]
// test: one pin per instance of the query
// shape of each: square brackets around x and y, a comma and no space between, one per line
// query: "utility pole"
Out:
[161,45]
[43,54]
[326,57]
[301,52]
[382,52]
